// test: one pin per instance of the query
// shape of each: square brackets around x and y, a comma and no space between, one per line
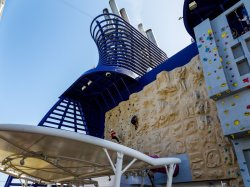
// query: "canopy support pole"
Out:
[170,172]
[118,171]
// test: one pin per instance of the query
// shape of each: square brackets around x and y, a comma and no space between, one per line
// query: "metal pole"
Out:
[118,169]
[151,36]
[141,29]
[170,173]
[124,15]
[114,8]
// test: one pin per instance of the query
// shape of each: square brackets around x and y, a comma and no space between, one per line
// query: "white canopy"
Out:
[51,156]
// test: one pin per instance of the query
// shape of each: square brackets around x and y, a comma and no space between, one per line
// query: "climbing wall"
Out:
[175,116]
[227,79]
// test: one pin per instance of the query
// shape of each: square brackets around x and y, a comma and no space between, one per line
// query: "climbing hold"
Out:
[199,46]
[218,77]
[247,113]
[205,59]
[224,34]
[215,49]
[226,112]
[221,59]
[218,95]
[223,84]
[232,135]
[220,67]
[227,125]
[222,102]
[246,80]
[228,91]
[228,63]
[235,84]
[208,74]
[248,106]
[209,87]
[233,104]
[236,122]
[242,128]
[210,32]
[236,96]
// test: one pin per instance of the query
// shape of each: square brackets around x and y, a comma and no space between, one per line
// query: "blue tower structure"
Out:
[222,32]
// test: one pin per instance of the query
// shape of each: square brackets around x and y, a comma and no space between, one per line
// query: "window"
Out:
[243,67]
[239,21]
[237,51]
[248,44]
[247,158]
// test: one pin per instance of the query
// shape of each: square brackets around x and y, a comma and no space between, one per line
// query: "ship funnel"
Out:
[2,3]
[141,29]
[151,36]
[124,15]
[114,8]
[106,11]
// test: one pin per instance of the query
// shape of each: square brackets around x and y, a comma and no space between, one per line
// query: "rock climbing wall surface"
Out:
[225,56]
[175,116]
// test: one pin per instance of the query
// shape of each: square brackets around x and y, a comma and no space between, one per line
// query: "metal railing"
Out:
[121,45]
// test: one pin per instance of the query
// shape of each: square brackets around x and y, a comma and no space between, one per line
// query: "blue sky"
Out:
[45,46]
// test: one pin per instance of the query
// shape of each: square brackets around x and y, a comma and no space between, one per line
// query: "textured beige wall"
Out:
[176,116]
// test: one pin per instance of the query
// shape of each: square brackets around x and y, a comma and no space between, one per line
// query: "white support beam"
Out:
[118,171]
[130,164]
[170,172]
[110,161]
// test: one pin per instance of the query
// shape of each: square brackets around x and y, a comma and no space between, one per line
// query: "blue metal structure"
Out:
[125,57]
[205,9]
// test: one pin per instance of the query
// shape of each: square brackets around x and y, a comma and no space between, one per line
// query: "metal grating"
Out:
[66,114]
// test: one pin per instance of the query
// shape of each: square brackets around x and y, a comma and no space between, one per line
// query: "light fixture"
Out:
[108,74]
[89,83]
[192,5]
[84,87]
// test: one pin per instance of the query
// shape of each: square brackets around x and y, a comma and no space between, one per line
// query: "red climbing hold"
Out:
[246,80]
[248,106]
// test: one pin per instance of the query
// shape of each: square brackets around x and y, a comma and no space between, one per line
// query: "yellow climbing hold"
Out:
[232,135]
[209,87]
[218,77]
[247,113]
[221,59]
[227,125]
[218,95]
[223,84]
[248,132]
[228,63]
[242,128]
[220,67]
[215,49]
[228,91]
[236,96]
[224,34]
[209,73]
[226,112]
[210,31]
[235,84]
[236,122]
[222,102]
